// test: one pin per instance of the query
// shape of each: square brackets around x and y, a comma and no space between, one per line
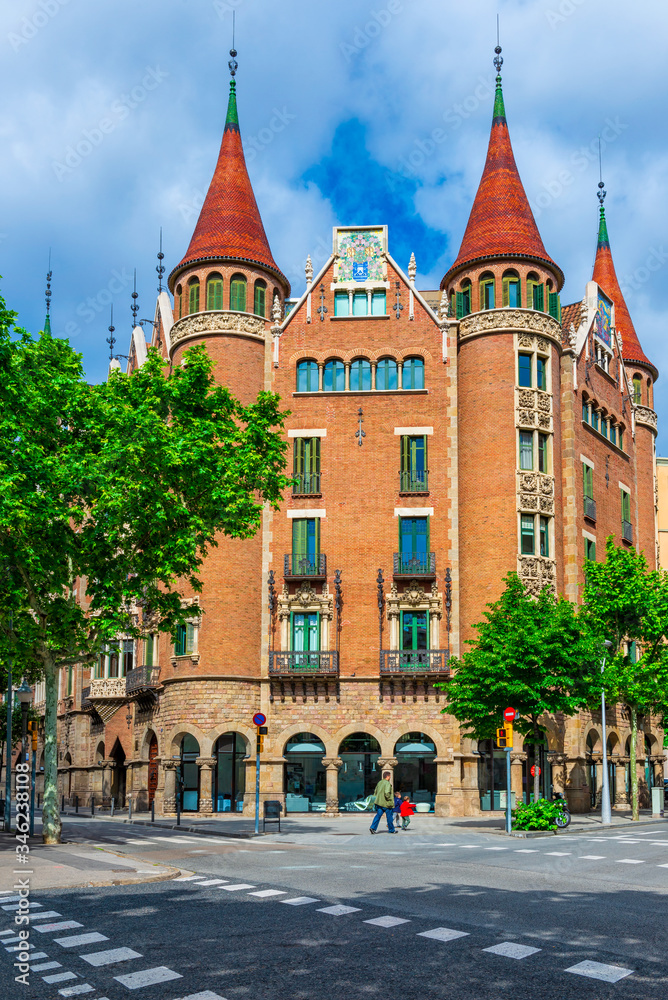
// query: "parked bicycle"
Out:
[563,817]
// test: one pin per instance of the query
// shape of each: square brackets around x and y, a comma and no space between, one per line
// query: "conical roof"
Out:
[229,225]
[501,223]
[605,276]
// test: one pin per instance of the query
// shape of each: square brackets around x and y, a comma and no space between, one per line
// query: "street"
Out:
[303,915]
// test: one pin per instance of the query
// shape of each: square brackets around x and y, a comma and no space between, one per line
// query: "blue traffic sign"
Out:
[259,719]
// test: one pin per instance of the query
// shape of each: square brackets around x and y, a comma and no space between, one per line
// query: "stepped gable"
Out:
[605,275]
[501,223]
[230,225]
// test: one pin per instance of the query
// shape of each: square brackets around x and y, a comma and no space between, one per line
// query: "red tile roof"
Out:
[229,225]
[571,314]
[501,223]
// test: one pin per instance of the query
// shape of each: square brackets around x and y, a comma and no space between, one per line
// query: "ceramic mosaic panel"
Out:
[360,255]
[604,319]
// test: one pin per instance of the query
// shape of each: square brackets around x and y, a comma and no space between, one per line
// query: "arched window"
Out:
[259,305]
[637,389]
[360,375]
[214,292]
[334,378]
[238,293]
[512,295]
[193,295]
[535,292]
[487,290]
[467,297]
[386,374]
[179,301]
[413,374]
[650,401]
[307,376]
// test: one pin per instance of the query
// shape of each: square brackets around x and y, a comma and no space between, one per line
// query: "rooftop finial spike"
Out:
[233,64]
[498,58]
[161,267]
[111,340]
[601,186]
[47,294]
[135,306]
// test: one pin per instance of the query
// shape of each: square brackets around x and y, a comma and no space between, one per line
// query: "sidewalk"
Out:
[72,866]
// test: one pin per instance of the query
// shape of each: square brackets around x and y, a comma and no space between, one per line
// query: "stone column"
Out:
[517,761]
[321,368]
[444,766]
[400,374]
[346,383]
[206,766]
[621,798]
[387,764]
[374,365]
[169,796]
[332,767]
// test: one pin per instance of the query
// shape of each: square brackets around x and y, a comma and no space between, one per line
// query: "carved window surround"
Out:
[414,598]
[535,493]
[194,620]
[533,408]
[305,600]
[537,572]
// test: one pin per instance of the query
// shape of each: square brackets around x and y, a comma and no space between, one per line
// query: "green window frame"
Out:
[306,466]
[637,390]
[185,640]
[541,373]
[305,631]
[70,681]
[527,535]
[413,374]
[360,375]
[306,545]
[307,376]
[467,298]
[621,439]
[626,506]
[260,299]
[193,296]
[487,287]
[214,292]
[554,305]
[545,536]
[594,418]
[587,481]
[334,376]
[378,304]
[414,630]
[100,665]
[613,433]
[543,452]
[179,301]
[526,451]
[414,542]
[341,304]
[386,375]
[238,293]
[590,550]
[511,292]
[536,295]
[414,471]
[585,411]
[604,426]
[148,650]
[525,370]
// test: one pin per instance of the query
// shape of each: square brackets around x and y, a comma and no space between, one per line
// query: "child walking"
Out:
[406,810]
[396,812]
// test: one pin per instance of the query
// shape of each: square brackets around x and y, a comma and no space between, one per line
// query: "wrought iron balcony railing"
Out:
[414,482]
[627,531]
[414,661]
[305,567]
[300,664]
[590,508]
[142,679]
[306,486]
[423,564]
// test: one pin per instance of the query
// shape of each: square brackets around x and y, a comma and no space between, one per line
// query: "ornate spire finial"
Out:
[111,340]
[308,271]
[233,64]
[47,295]
[498,58]
[134,307]
[444,307]
[276,310]
[161,267]
[601,186]
[412,268]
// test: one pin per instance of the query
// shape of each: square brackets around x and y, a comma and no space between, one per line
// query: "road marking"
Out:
[48,914]
[214,881]
[77,939]
[297,868]
[205,995]
[469,847]
[511,949]
[59,977]
[525,850]
[98,958]
[16,906]
[187,878]
[264,893]
[662,866]
[72,991]
[445,845]
[631,842]
[236,888]
[43,966]
[496,848]
[61,925]
[5,933]
[629,861]
[339,910]
[591,857]
[36,955]
[149,977]
[387,921]
[20,947]
[596,970]
[300,900]
[557,854]
[443,934]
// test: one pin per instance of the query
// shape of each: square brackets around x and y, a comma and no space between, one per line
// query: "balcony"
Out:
[627,531]
[304,664]
[305,567]
[106,695]
[86,703]
[590,508]
[142,680]
[414,482]
[414,662]
[421,566]
[306,486]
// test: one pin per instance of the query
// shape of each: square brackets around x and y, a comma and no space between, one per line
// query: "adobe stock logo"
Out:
[31,26]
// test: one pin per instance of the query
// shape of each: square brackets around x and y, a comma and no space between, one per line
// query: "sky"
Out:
[351,113]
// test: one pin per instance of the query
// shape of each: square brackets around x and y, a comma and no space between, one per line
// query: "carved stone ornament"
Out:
[444,307]
[572,337]
[646,416]
[524,340]
[527,398]
[305,598]
[412,268]
[544,402]
[522,320]
[544,421]
[542,345]
[536,572]
[528,501]
[414,598]
[528,482]
[546,484]
[527,418]
[216,322]
[546,505]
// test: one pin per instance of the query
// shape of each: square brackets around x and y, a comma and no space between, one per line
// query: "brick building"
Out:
[439,439]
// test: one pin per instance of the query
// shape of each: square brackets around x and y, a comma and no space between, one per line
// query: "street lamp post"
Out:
[24,695]
[606,814]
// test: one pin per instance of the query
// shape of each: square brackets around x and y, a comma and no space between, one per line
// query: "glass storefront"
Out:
[189,774]
[359,774]
[305,775]
[491,776]
[415,773]
[230,775]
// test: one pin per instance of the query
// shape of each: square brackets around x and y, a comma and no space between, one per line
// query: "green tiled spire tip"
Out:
[232,116]
[603,240]
[47,324]
[499,107]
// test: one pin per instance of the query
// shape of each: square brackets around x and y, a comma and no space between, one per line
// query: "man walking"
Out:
[384,802]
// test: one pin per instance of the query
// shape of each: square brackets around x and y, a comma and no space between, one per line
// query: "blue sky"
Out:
[350,113]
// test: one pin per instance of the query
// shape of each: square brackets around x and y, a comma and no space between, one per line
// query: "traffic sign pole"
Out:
[259,720]
[509,818]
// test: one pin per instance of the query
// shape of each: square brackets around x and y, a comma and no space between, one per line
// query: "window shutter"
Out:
[460,305]
[190,638]
[299,529]
[299,457]
[314,631]
[539,297]
[405,455]
[317,537]
[505,292]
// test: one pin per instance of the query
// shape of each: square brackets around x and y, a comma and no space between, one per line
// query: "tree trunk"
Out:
[536,774]
[633,765]
[51,825]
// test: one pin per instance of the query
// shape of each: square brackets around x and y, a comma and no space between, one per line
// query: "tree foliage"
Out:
[110,497]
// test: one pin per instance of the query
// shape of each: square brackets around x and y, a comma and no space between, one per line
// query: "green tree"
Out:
[111,496]
[535,654]
[627,603]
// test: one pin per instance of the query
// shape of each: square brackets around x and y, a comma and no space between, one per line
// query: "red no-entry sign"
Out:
[533,770]
[509,714]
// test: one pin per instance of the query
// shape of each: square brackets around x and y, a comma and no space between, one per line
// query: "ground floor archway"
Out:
[189,774]
[229,783]
[305,774]
[415,771]
[118,774]
[358,774]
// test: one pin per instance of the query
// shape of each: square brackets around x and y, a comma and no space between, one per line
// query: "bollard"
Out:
[62,804]
[130,809]
[178,809]
[112,807]
[92,805]
[76,804]
[153,811]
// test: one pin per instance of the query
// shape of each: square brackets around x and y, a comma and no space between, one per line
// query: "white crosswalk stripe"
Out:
[205,995]
[73,991]
[44,966]
[79,939]
[46,915]
[62,925]
[59,977]
[629,861]
[214,881]
[237,888]
[387,921]
[300,900]
[597,970]
[339,910]
[148,977]
[110,956]
[265,893]
[512,949]
[443,934]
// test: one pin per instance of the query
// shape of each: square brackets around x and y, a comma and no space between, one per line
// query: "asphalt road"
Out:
[437,904]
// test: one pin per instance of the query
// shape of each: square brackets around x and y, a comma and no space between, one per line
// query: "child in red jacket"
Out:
[406,810]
